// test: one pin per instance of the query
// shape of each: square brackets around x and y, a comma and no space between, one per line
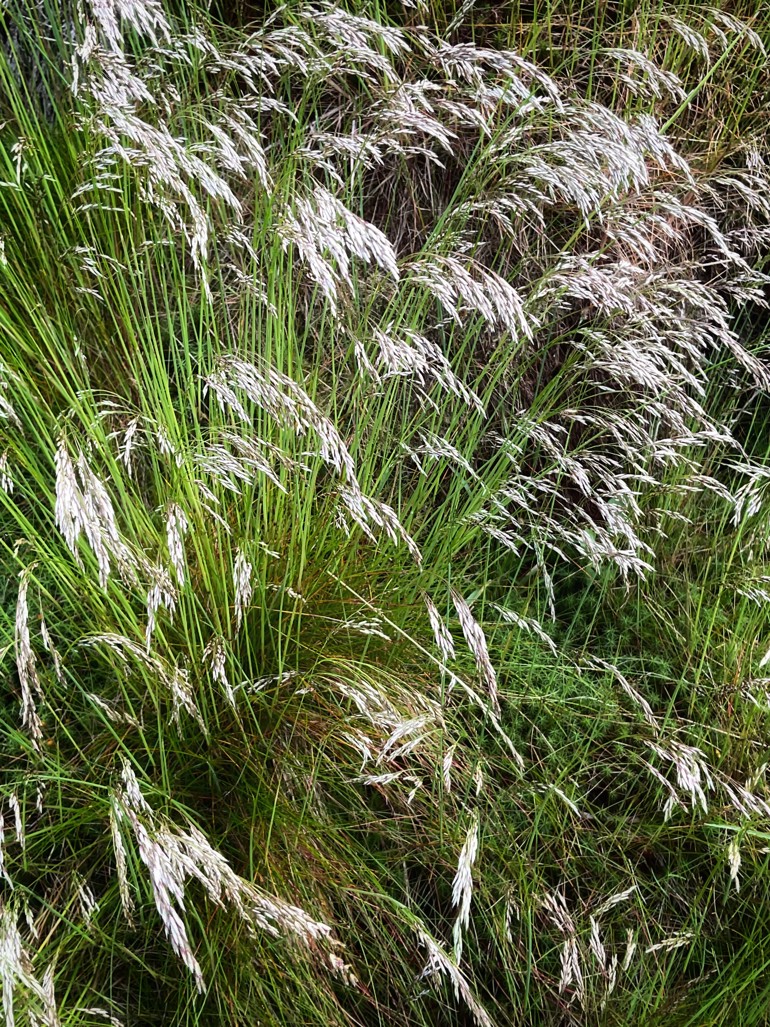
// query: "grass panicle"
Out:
[384,513]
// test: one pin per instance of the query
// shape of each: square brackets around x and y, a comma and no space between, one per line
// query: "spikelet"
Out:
[26,664]
[677,941]
[83,506]
[173,857]
[458,288]
[113,1021]
[692,770]
[176,529]
[462,886]
[477,643]
[121,863]
[321,224]
[628,688]
[439,962]
[734,862]
[441,633]
[215,656]
[16,973]
[365,512]
[173,679]
[161,595]
[597,946]
[167,882]
[284,400]
[408,354]
[109,18]
[6,480]
[528,624]
[643,75]
[571,969]
[7,412]
[128,444]
[18,820]
[614,900]
[242,584]
[446,767]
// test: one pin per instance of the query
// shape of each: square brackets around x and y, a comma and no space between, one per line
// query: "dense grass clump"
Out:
[383,474]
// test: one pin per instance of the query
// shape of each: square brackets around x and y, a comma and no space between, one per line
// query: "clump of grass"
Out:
[383,517]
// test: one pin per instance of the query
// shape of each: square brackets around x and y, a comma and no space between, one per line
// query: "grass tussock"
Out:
[383,473]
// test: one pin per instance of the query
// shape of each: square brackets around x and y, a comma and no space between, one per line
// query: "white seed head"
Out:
[462,885]
[242,572]
[734,861]
[26,664]
[477,643]
[176,529]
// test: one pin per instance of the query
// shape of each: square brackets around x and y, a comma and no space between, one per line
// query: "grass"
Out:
[383,517]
